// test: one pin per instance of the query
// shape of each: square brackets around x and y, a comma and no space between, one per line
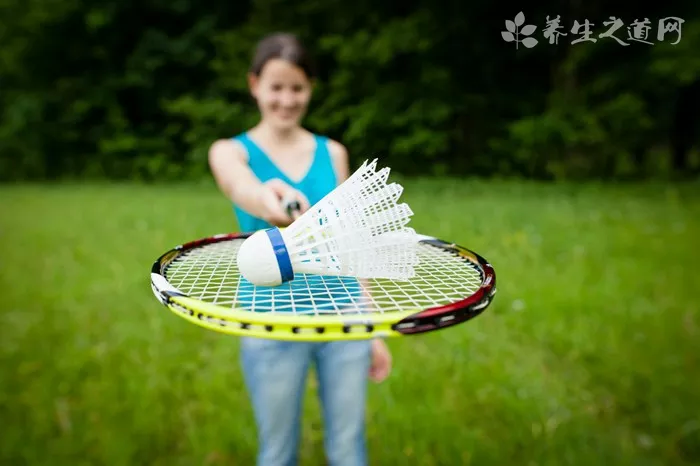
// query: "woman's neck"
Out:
[277,136]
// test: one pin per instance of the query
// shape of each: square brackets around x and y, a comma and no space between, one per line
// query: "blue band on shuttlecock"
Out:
[283,260]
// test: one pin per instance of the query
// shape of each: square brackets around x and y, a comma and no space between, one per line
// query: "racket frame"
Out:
[325,327]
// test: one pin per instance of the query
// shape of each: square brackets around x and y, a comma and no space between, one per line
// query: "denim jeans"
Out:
[275,375]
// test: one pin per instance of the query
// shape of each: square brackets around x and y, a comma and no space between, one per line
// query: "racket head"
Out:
[199,282]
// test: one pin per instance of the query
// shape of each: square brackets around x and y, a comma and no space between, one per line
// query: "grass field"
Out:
[589,354]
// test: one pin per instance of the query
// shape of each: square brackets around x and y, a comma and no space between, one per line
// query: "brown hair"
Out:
[285,46]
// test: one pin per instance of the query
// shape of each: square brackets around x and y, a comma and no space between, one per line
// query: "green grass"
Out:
[589,354]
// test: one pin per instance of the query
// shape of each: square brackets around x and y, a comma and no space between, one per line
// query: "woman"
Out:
[279,159]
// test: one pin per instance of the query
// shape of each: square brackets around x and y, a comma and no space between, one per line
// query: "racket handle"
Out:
[290,205]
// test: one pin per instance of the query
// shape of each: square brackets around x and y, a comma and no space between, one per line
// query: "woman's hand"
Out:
[381,361]
[272,195]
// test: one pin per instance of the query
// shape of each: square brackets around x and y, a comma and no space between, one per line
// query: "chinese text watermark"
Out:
[639,30]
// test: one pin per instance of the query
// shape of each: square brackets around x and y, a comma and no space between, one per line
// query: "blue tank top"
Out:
[318,181]
[329,293]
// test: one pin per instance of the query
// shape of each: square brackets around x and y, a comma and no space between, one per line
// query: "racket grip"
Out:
[290,205]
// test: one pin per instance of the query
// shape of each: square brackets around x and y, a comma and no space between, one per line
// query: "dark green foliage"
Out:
[128,89]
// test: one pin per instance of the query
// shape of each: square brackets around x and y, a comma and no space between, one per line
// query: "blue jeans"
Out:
[275,375]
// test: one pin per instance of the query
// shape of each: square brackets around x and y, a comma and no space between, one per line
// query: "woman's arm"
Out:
[229,166]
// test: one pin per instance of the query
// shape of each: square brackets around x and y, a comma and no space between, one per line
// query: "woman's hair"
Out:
[284,46]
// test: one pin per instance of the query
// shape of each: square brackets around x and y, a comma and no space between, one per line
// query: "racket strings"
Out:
[210,274]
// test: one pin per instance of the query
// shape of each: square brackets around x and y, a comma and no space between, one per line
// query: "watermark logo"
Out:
[514,31]
[639,31]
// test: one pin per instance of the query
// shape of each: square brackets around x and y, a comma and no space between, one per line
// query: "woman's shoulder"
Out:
[338,155]
[229,146]
[336,150]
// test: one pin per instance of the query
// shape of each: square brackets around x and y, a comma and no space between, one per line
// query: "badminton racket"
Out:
[200,282]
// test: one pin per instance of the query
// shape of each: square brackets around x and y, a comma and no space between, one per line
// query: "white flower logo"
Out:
[512,28]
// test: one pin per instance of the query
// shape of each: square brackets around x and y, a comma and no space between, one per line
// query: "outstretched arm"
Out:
[229,165]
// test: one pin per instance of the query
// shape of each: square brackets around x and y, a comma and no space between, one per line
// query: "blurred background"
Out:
[140,89]
[570,161]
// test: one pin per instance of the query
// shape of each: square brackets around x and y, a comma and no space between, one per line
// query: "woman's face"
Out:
[282,91]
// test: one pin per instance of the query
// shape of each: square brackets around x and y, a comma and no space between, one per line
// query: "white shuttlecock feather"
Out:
[356,230]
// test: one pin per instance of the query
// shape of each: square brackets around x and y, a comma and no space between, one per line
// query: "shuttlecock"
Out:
[357,230]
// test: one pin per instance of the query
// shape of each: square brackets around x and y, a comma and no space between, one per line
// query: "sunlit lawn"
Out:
[589,354]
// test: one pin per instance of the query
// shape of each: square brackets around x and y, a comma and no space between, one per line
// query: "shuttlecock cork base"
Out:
[264,260]
[357,230]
